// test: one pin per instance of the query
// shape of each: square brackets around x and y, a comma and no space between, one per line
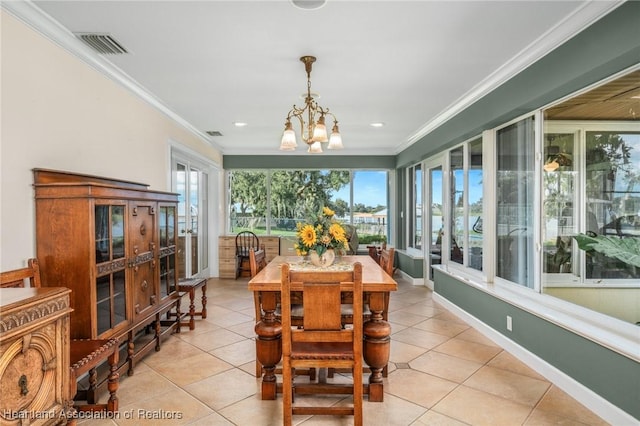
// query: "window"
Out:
[248,206]
[607,203]
[274,201]
[560,218]
[414,199]
[465,186]
[515,202]
[612,190]
[370,213]
[458,228]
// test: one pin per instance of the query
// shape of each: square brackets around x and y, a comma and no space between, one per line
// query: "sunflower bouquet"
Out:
[324,233]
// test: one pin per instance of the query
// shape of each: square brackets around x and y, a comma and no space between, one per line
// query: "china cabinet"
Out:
[113,243]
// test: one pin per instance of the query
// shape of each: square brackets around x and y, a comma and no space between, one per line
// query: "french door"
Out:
[191,182]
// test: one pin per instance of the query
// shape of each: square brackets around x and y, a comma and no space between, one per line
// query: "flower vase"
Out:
[325,260]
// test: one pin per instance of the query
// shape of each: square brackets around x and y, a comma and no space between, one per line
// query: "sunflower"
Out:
[308,235]
[337,231]
[320,234]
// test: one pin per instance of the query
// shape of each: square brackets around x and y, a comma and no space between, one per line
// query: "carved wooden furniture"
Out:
[377,331]
[322,341]
[34,356]
[228,266]
[113,243]
[189,286]
[86,355]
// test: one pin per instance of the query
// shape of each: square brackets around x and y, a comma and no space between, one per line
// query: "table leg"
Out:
[377,345]
[203,314]
[192,308]
[269,344]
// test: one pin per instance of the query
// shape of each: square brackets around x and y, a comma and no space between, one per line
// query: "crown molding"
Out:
[581,18]
[30,14]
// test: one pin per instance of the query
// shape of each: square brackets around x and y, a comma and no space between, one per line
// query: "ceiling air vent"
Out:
[214,133]
[102,43]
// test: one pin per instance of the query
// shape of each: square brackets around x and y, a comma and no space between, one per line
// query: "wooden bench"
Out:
[189,286]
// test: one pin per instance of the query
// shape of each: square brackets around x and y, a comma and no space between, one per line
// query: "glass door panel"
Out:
[191,183]
[167,254]
[110,266]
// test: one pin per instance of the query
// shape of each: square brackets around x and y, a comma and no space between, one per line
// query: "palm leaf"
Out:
[626,249]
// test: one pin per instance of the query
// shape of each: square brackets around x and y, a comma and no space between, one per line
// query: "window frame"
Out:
[580,129]
[389,225]
[464,267]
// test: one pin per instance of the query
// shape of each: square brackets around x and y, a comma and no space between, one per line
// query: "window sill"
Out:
[411,253]
[617,335]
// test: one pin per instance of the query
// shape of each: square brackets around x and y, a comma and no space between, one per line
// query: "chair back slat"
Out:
[386,260]
[257,261]
[19,277]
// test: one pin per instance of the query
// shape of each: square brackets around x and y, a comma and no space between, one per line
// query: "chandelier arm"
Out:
[306,140]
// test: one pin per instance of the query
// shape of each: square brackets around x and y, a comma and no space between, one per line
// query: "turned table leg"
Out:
[203,313]
[377,345]
[113,382]
[268,344]
[192,308]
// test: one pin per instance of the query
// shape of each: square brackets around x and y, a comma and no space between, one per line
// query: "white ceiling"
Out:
[409,64]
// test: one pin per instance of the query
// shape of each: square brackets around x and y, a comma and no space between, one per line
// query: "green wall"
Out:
[230,162]
[610,45]
[614,377]
[410,265]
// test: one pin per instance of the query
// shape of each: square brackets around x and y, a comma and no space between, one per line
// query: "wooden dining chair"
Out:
[386,258]
[246,242]
[322,341]
[386,263]
[85,354]
[19,277]
[257,262]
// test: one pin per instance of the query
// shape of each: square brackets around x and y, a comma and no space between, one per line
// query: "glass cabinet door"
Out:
[110,267]
[167,255]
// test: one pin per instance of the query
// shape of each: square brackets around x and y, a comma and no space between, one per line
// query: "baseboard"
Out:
[576,390]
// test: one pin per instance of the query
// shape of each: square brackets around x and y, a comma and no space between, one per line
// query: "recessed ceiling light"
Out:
[240,123]
[377,124]
[308,4]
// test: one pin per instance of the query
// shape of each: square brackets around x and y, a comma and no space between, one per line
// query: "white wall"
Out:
[59,113]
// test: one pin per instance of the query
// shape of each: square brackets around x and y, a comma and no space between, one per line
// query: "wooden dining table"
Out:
[377,286]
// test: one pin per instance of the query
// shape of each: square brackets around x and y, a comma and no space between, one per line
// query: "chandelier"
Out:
[314,131]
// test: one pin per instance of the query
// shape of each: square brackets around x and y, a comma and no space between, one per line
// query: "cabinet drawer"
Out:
[227,253]
[227,242]
[227,264]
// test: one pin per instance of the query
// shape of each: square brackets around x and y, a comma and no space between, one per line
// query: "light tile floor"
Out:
[442,372]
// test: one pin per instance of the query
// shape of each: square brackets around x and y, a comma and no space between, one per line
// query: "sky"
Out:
[369,188]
